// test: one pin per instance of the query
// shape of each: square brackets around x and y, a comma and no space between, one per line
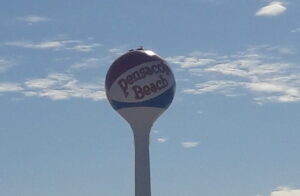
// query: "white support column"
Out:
[142,160]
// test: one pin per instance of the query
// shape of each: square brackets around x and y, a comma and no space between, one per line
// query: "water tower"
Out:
[140,86]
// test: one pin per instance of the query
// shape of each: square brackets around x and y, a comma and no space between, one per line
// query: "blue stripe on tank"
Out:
[162,101]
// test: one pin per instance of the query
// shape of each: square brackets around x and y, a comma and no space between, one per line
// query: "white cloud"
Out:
[189,144]
[212,86]
[53,94]
[296,30]
[39,45]
[279,92]
[189,61]
[87,63]
[42,83]
[285,191]
[85,47]
[155,131]
[200,112]
[10,87]
[265,87]
[117,51]
[273,9]
[33,19]
[162,140]
[75,45]
[281,50]
[258,72]
[231,68]
[58,86]
[4,64]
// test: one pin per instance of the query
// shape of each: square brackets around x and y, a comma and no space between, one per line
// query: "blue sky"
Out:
[232,129]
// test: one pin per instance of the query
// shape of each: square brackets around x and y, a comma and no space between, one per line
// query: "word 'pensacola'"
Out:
[141,91]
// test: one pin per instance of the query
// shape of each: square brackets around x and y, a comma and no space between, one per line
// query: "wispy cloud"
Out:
[155,131]
[39,45]
[258,72]
[162,139]
[56,86]
[90,63]
[59,86]
[297,30]
[285,191]
[33,19]
[75,45]
[5,64]
[200,112]
[190,144]
[10,87]
[273,9]
[85,47]
[282,92]
[189,61]
[221,86]
[117,51]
